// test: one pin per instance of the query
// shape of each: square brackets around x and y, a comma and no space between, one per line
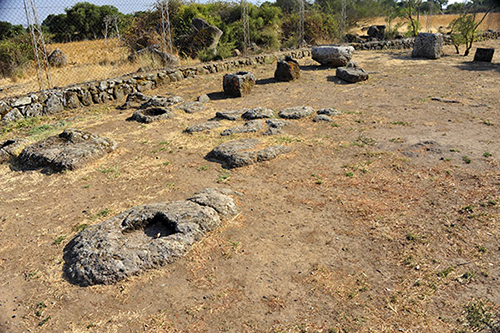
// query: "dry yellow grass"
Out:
[432,23]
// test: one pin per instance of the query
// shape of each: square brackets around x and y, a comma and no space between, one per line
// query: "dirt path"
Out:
[384,220]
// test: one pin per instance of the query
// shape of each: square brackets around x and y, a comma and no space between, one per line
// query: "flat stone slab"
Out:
[206,126]
[231,114]
[484,54]
[67,151]
[10,149]
[250,126]
[296,112]
[331,55]
[191,107]
[242,152]
[258,113]
[322,117]
[152,114]
[351,74]
[275,126]
[143,237]
[162,101]
[329,112]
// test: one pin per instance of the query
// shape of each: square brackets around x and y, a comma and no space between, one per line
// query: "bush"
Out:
[15,54]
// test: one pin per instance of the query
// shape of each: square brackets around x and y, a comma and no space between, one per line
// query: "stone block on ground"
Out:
[67,151]
[376,31]
[322,117]
[143,238]
[152,114]
[332,56]
[203,98]
[275,126]
[428,45]
[351,74]
[296,112]
[161,101]
[191,107]
[258,113]
[12,115]
[329,112]
[287,69]
[57,58]
[238,84]
[206,126]
[242,152]
[484,54]
[231,114]
[250,126]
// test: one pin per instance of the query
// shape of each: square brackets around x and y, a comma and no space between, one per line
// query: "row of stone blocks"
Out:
[58,99]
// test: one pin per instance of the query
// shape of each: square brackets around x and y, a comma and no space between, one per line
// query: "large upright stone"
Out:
[484,55]
[238,84]
[332,56]
[287,69]
[376,31]
[428,46]
[57,58]
[203,36]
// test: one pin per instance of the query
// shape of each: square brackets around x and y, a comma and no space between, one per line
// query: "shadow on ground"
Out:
[336,80]
[479,66]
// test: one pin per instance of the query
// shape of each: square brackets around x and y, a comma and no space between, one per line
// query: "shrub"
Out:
[15,54]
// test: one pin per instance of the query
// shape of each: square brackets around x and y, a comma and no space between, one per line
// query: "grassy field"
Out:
[96,60]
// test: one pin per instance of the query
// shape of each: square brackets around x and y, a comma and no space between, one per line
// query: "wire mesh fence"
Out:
[45,44]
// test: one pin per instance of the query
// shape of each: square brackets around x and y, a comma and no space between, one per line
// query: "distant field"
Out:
[96,60]
[431,23]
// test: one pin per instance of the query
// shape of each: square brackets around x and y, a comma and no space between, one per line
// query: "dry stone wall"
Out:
[97,92]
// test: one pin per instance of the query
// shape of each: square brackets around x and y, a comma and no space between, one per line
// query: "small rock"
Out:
[322,117]
[296,112]
[230,115]
[152,114]
[351,75]
[202,127]
[251,126]
[275,126]
[161,101]
[242,152]
[21,101]
[10,149]
[258,113]
[191,107]
[203,98]
[332,56]
[12,115]
[329,112]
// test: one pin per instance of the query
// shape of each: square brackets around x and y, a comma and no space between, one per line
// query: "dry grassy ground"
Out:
[386,220]
[97,60]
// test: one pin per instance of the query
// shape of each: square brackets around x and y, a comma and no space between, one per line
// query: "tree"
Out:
[463,29]
[8,30]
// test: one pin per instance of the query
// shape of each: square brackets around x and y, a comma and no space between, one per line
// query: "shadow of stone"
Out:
[479,66]
[219,95]
[270,80]
[315,68]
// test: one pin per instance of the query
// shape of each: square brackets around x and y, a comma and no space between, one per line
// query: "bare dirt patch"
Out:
[385,219]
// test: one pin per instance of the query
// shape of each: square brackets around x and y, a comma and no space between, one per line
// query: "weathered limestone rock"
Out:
[230,115]
[351,74]
[152,114]
[483,54]
[206,126]
[329,112]
[203,36]
[332,56]
[67,151]
[10,149]
[143,237]
[322,117]
[238,84]
[203,98]
[72,101]
[296,112]
[191,107]
[12,115]
[167,59]
[57,58]
[242,152]
[33,110]
[22,101]
[287,69]
[376,31]
[53,105]
[428,45]
[258,113]
[275,126]
[161,101]
[251,126]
